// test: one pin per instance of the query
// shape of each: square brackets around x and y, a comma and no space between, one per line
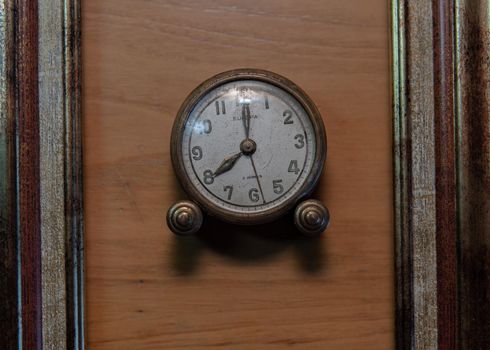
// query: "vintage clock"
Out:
[248,146]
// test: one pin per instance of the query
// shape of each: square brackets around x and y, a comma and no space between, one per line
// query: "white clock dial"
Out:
[248,146]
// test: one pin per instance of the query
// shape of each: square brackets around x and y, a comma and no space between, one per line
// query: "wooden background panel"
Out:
[235,288]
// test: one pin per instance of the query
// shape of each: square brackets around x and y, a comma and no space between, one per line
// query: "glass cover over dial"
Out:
[248,146]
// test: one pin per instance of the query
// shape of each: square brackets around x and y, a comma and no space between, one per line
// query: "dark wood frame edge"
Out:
[74,180]
[21,307]
[447,97]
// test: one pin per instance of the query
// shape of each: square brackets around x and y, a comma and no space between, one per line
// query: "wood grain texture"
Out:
[445,165]
[40,176]
[28,179]
[415,174]
[74,240]
[61,174]
[473,149]
[457,40]
[8,232]
[52,174]
[260,288]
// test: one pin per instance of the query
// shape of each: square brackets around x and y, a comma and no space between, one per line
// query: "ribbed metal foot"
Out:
[184,218]
[311,217]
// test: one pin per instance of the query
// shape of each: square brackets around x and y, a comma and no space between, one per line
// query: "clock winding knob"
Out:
[184,218]
[311,217]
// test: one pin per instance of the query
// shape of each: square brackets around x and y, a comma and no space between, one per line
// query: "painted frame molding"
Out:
[441,91]
[41,201]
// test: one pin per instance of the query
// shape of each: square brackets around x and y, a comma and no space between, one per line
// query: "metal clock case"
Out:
[244,124]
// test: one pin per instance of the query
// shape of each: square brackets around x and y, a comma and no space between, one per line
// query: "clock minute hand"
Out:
[227,164]
[258,180]
[246,119]
[246,124]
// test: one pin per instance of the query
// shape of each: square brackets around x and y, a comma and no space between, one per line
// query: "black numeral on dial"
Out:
[277,186]
[253,194]
[288,115]
[208,177]
[293,167]
[300,141]
[204,127]
[196,153]
[228,189]
[220,107]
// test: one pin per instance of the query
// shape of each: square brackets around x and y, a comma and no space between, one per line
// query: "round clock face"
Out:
[247,148]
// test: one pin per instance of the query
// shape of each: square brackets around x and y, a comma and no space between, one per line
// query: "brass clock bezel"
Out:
[270,214]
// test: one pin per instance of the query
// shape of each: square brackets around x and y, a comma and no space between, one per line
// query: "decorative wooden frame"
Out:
[441,86]
[442,172]
[41,240]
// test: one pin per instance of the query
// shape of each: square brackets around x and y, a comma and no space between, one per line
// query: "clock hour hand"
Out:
[227,164]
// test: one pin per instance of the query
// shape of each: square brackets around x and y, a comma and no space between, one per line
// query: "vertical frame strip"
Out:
[9,291]
[415,177]
[455,36]
[52,137]
[472,71]
[26,75]
[41,221]
[73,175]
[445,161]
